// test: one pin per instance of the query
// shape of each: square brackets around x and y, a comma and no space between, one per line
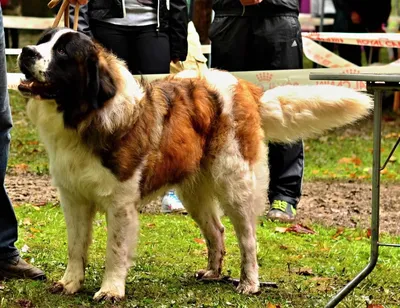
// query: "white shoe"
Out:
[171,203]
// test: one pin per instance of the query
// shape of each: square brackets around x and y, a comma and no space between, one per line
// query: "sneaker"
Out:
[171,203]
[18,268]
[282,211]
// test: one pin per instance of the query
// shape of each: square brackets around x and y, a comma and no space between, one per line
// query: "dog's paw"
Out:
[65,287]
[248,288]
[208,275]
[110,296]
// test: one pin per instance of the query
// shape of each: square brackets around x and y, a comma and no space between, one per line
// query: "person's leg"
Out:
[11,265]
[150,50]
[229,47]
[277,45]
[8,221]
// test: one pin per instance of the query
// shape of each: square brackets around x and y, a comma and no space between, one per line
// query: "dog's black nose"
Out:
[28,52]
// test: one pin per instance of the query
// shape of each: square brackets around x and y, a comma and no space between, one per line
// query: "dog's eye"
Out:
[61,51]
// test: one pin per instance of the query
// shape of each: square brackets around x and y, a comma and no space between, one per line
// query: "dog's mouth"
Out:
[30,86]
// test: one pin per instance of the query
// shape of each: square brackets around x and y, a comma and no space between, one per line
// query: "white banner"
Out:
[271,79]
[363,39]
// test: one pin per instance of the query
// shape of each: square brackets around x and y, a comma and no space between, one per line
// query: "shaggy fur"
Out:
[115,143]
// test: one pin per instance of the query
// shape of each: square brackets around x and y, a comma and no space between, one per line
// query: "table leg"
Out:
[375,204]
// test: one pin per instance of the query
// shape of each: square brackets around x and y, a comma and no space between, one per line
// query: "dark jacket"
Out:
[173,21]
[265,8]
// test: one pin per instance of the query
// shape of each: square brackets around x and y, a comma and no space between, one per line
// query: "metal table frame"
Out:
[376,83]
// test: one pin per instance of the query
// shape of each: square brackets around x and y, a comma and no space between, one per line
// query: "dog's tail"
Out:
[290,113]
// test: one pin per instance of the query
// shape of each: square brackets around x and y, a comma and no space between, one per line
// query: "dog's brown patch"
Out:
[186,133]
[247,120]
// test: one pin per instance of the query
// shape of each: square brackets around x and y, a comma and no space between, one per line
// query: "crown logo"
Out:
[351,71]
[264,77]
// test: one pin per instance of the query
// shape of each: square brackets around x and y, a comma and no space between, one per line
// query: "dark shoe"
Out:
[282,211]
[18,268]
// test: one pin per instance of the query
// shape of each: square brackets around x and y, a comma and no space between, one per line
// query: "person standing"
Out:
[357,16]
[250,35]
[147,34]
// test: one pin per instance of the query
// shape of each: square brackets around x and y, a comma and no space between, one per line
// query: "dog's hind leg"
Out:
[78,215]
[242,196]
[201,204]
[122,233]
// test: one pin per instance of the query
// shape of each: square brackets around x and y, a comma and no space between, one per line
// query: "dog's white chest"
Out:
[72,165]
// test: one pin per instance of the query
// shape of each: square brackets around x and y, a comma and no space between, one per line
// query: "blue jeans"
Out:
[8,221]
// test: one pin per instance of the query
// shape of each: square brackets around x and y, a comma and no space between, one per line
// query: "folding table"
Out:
[376,84]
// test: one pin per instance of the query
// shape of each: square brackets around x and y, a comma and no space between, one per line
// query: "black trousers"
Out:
[145,50]
[264,43]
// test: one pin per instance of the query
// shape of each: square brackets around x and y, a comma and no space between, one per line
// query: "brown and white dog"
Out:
[114,142]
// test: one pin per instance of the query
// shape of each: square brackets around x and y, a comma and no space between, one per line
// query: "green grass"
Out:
[168,255]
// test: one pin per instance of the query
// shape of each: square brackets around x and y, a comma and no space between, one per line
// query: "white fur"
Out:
[293,112]
[46,51]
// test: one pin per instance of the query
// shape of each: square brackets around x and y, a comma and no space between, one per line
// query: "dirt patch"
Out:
[328,203]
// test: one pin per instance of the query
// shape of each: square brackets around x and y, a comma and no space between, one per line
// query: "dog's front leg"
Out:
[78,217]
[122,225]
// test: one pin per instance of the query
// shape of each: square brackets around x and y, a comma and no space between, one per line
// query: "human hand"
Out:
[250,2]
[355,18]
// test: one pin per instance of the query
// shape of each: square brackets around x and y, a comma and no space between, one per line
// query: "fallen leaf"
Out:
[299,228]
[315,171]
[339,231]
[283,247]
[280,229]
[21,168]
[34,230]
[24,303]
[350,160]
[356,160]
[33,142]
[39,204]
[320,279]
[304,271]
[270,305]
[369,232]
[150,225]
[345,160]
[25,248]
[27,222]
[375,306]
[200,241]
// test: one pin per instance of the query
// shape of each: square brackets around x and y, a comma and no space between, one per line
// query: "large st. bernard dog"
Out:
[114,142]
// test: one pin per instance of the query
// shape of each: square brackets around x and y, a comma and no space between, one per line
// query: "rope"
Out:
[64,10]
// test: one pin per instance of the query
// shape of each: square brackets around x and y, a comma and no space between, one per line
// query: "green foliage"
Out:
[308,268]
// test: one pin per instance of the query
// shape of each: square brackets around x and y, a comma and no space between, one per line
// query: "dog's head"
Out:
[70,68]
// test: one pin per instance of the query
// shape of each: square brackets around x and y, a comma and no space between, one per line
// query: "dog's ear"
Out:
[100,84]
